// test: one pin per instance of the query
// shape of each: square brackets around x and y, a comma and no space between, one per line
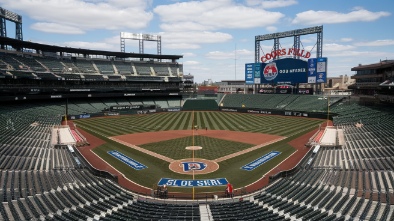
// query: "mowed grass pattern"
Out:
[290,127]
[212,148]
[268,124]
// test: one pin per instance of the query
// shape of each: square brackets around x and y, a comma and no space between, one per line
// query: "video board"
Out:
[284,71]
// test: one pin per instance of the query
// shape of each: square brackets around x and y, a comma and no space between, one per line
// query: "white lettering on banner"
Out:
[173,109]
[294,70]
[170,182]
[192,183]
[259,161]
[229,110]
[262,159]
[125,159]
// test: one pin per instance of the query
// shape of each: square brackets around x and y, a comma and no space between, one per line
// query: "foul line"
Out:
[220,159]
[142,150]
[119,173]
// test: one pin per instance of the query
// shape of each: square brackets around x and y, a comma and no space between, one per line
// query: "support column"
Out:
[257,51]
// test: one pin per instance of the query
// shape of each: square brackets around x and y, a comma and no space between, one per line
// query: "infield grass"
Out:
[212,147]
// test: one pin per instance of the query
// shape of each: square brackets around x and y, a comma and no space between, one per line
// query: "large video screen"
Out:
[284,71]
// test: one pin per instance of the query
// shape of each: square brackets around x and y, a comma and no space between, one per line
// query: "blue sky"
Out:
[216,37]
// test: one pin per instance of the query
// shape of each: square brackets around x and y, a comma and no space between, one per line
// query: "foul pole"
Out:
[193,145]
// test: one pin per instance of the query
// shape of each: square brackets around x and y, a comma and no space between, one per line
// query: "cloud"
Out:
[277,3]
[213,15]
[182,26]
[346,39]
[386,42]
[331,17]
[221,55]
[188,54]
[192,40]
[182,46]
[83,15]
[89,45]
[56,28]
[191,63]
[371,56]
[337,47]
[271,29]
[271,3]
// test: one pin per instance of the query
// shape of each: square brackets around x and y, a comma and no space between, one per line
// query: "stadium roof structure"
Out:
[53,48]
[381,64]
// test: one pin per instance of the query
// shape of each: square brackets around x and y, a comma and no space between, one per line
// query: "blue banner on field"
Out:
[259,161]
[127,160]
[193,183]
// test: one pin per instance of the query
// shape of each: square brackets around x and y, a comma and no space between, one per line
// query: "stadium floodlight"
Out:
[141,38]
[13,17]
[9,15]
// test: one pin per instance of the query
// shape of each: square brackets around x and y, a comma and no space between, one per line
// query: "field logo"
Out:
[189,166]
[192,183]
[270,71]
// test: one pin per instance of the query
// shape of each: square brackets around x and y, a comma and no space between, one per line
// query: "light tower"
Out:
[141,38]
[6,15]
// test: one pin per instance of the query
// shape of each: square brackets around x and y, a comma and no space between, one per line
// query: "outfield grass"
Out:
[268,124]
[284,126]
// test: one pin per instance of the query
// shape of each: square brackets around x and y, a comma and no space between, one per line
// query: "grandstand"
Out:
[43,182]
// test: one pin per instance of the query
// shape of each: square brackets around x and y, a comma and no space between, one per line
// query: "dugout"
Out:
[200,105]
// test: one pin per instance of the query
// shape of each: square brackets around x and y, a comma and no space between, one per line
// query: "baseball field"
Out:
[230,140]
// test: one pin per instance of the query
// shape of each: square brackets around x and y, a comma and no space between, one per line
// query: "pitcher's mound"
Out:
[198,165]
[193,148]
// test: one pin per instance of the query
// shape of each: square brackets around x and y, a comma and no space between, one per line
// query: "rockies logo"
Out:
[270,71]
[189,166]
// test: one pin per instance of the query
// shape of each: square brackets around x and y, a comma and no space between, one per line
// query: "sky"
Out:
[215,37]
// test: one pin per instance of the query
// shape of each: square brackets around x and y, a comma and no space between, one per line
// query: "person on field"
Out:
[229,190]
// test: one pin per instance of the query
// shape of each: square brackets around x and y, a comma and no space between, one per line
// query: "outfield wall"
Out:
[288,113]
[117,113]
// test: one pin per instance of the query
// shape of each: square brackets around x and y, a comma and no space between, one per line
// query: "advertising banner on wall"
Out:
[257,73]
[312,70]
[284,71]
[321,70]
[249,73]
